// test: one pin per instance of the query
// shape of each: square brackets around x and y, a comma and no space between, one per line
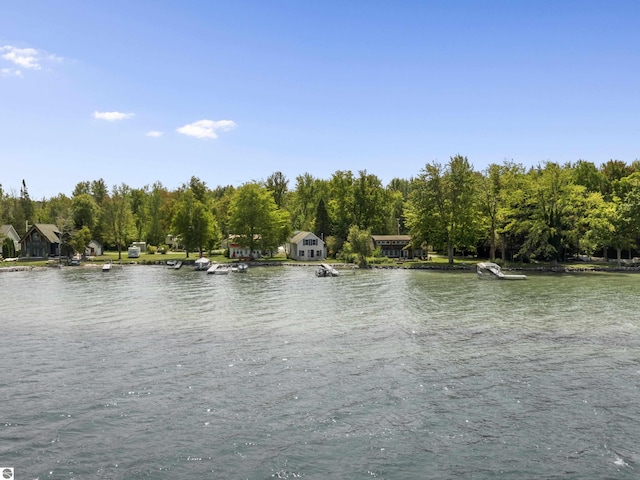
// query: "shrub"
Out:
[8,248]
[151,249]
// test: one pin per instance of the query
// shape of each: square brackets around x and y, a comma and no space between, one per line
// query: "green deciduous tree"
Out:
[85,211]
[370,203]
[118,217]
[587,174]
[304,201]
[255,219]
[359,243]
[552,204]
[442,208]
[277,184]
[80,238]
[493,200]
[221,200]
[138,209]
[194,222]
[341,202]
[154,214]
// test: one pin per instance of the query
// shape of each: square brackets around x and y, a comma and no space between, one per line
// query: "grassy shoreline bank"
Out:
[435,263]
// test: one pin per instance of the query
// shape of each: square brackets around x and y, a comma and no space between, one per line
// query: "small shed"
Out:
[94,249]
[141,245]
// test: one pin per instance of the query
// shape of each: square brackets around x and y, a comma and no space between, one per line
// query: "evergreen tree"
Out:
[322,222]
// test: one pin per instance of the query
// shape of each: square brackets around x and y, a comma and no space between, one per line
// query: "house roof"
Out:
[48,230]
[403,238]
[297,236]
[5,229]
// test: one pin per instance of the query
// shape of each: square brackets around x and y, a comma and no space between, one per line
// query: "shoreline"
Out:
[444,267]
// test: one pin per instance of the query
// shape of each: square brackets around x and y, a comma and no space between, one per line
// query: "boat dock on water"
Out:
[217,269]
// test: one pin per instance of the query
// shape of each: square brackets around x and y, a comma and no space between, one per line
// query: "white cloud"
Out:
[29,58]
[207,128]
[10,72]
[154,133]
[112,116]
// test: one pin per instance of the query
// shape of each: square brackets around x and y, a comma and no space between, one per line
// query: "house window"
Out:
[302,253]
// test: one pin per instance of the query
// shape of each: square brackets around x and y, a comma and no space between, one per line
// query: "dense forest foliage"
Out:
[549,212]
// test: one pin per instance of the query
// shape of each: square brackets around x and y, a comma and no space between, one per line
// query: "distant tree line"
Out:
[548,212]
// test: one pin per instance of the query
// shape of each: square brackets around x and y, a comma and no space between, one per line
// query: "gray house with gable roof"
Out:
[42,240]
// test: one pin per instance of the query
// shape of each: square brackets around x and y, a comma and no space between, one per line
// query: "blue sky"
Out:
[143,91]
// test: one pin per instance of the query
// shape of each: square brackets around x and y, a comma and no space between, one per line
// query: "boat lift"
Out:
[492,271]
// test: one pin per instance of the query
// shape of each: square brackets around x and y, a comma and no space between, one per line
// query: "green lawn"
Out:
[216,256]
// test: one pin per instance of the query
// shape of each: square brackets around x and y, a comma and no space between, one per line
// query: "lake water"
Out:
[147,372]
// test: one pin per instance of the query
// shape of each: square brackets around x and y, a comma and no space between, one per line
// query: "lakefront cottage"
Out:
[42,240]
[396,246]
[306,246]
[239,251]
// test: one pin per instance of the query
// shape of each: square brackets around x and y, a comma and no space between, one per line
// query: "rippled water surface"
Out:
[147,372]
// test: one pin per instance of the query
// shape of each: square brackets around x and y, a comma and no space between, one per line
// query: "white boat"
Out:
[492,271]
[202,264]
[106,267]
[240,268]
[326,270]
[177,265]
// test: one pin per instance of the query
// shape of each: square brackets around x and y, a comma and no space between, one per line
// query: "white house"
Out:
[173,241]
[7,231]
[239,251]
[306,246]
